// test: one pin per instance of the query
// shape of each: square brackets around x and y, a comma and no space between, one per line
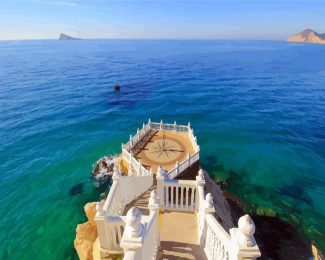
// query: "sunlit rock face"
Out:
[308,36]
[86,234]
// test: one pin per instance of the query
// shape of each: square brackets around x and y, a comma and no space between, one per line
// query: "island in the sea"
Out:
[67,37]
[308,35]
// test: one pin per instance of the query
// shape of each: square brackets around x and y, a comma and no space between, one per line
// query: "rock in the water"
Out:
[86,234]
[67,37]
[104,169]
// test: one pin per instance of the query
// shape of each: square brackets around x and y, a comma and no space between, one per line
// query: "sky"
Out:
[159,19]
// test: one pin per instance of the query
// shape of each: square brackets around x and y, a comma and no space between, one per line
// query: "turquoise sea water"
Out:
[257,107]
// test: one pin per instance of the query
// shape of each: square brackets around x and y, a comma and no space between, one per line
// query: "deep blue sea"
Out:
[257,108]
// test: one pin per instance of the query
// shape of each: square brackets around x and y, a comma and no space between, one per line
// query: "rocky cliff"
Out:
[86,234]
[308,35]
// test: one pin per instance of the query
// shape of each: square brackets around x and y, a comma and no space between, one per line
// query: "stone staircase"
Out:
[178,230]
[142,201]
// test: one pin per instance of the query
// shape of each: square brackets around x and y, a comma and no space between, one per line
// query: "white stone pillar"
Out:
[132,239]
[160,186]
[206,208]
[131,142]
[200,181]
[243,244]
[104,241]
[177,167]
[116,173]
[161,125]
[140,168]
[154,208]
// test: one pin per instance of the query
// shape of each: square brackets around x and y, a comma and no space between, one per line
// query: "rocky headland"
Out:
[309,36]
[66,37]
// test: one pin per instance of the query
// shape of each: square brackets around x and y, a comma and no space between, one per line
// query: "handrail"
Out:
[179,168]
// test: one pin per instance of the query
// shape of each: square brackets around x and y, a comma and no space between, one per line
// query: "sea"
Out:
[257,109]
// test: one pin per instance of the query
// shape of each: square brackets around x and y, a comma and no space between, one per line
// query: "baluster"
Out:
[187,194]
[182,197]
[167,196]
[119,233]
[172,197]
[193,197]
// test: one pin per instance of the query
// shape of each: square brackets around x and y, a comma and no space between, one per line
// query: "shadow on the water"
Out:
[280,240]
[77,189]
[276,238]
[129,94]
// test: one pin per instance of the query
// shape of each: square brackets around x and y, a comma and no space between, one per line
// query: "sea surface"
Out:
[257,108]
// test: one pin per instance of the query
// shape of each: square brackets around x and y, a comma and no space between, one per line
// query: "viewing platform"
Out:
[157,206]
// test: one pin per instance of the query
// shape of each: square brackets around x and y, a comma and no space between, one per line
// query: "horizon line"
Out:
[185,39]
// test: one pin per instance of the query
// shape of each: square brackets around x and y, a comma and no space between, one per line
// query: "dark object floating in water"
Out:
[117,87]
[76,189]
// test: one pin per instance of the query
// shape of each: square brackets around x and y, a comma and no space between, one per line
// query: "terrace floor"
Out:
[163,148]
[179,237]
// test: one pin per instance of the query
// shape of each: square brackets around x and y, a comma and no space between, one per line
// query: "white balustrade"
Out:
[180,167]
[141,237]
[110,224]
[215,240]
[180,195]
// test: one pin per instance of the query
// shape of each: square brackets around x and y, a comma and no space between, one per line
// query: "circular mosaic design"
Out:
[164,150]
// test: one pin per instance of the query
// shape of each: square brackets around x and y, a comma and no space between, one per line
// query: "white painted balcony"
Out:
[177,204]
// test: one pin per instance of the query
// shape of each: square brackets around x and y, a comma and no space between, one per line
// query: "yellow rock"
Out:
[86,234]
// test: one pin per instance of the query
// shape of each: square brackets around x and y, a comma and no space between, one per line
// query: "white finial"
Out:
[116,170]
[138,130]
[246,232]
[149,121]
[133,226]
[209,200]
[200,175]
[100,208]
[153,198]
[143,125]
[189,124]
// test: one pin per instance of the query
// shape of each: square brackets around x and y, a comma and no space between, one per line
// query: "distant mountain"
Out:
[67,37]
[308,35]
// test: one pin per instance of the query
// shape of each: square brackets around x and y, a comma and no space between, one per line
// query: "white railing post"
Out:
[160,186]
[131,142]
[116,173]
[154,208]
[177,167]
[104,241]
[161,125]
[175,126]
[200,181]
[132,239]
[140,168]
[243,244]
[189,125]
